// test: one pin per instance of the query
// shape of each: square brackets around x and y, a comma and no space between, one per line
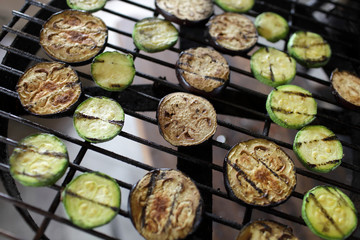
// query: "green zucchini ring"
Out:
[98,119]
[271,26]
[291,106]
[87,5]
[309,49]
[329,213]
[272,67]
[113,71]
[154,35]
[39,160]
[318,148]
[91,200]
[241,6]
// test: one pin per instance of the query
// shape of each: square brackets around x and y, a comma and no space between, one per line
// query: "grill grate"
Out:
[241,114]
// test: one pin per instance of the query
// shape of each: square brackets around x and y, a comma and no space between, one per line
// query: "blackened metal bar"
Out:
[9,235]
[14,20]
[43,6]
[21,33]
[223,221]
[27,17]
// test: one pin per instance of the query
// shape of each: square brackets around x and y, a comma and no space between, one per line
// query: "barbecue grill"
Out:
[241,115]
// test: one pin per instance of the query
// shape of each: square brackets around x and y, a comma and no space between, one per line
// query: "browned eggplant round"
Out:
[232,33]
[185,119]
[258,172]
[264,230]
[165,204]
[346,88]
[202,70]
[186,12]
[49,89]
[74,37]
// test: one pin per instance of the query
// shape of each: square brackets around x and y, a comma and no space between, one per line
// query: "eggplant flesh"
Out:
[165,204]
[258,172]
[346,88]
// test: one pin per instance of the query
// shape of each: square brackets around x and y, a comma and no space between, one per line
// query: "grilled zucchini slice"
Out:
[329,213]
[86,5]
[271,26]
[91,199]
[266,230]
[113,71]
[241,6]
[258,172]
[318,148]
[98,119]
[39,160]
[272,67]
[309,49]
[165,204]
[346,88]
[154,35]
[291,106]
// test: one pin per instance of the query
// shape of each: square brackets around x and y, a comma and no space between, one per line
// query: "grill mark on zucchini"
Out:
[28,148]
[205,76]
[311,165]
[329,138]
[331,220]
[282,110]
[37,176]
[295,93]
[338,195]
[115,122]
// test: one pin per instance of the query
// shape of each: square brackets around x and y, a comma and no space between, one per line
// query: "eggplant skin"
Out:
[74,37]
[266,229]
[49,89]
[259,173]
[346,88]
[165,205]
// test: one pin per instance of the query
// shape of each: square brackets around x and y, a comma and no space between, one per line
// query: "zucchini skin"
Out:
[342,198]
[74,5]
[265,31]
[25,176]
[239,8]
[325,135]
[296,42]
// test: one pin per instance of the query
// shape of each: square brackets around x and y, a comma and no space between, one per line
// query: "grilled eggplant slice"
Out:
[291,106]
[258,172]
[165,204]
[98,119]
[86,5]
[91,199]
[266,230]
[154,35]
[329,213]
[202,70]
[232,33]
[48,89]
[346,88]
[74,37]
[309,49]
[271,26]
[185,119]
[186,12]
[318,148]
[113,71]
[39,160]
[241,6]
[272,67]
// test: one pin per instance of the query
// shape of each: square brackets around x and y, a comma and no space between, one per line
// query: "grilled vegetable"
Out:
[39,160]
[165,204]
[113,71]
[309,49]
[265,230]
[346,88]
[202,70]
[272,67]
[258,172]
[185,119]
[291,106]
[185,12]
[235,5]
[329,213]
[91,199]
[73,36]
[318,148]
[98,119]
[49,88]
[232,33]
[86,5]
[154,35]
[271,26]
